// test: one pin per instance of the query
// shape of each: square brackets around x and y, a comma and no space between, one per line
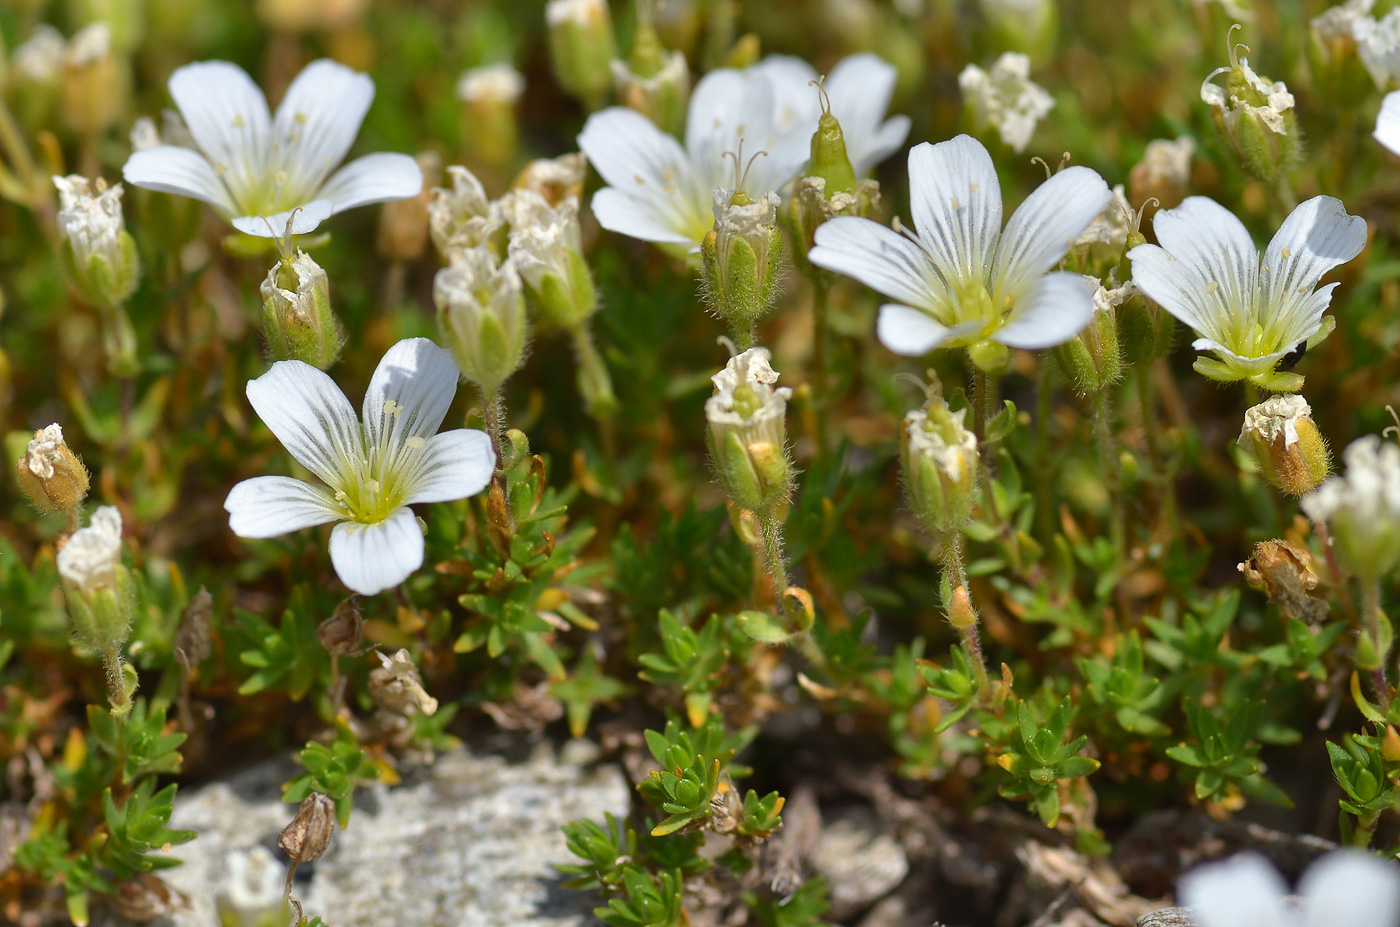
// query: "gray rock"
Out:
[860,862]
[472,843]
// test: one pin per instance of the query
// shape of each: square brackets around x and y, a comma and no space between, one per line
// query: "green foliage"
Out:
[1045,759]
[334,770]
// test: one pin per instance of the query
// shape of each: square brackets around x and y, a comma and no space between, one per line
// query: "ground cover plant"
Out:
[977,412]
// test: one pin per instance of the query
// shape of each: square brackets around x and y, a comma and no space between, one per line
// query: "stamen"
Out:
[413,443]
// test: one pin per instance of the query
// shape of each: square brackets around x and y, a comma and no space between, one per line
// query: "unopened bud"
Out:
[403,224]
[1005,99]
[489,95]
[741,255]
[961,614]
[582,47]
[653,81]
[297,318]
[1145,329]
[252,894]
[481,317]
[99,251]
[545,247]
[308,837]
[1284,440]
[939,456]
[341,633]
[1092,360]
[92,96]
[396,686]
[555,179]
[1163,174]
[33,75]
[1256,118]
[50,474]
[1390,745]
[748,432]
[97,587]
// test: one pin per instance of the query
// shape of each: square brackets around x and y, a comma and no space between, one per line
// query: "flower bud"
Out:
[653,81]
[1092,360]
[297,318]
[1026,26]
[92,96]
[1163,174]
[1284,440]
[555,179]
[341,633]
[1362,508]
[1005,99]
[748,433]
[1390,744]
[481,317]
[253,895]
[741,255]
[96,585]
[403,224]
[33,75]
[1337,70]
[50,474]
[940,466]
[1145,330]
[99,251]
[489,95]
[461,218]
[396,686]
[582,47]
[308,837]
[961,614]
[1256,119]
[545,247]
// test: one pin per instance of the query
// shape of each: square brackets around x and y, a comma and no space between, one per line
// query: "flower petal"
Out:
[227,115]
[318,120]
[374,178]
[1178,288]
[1316,237]
[309,414]
[644,219]
[882,259]
[455,464]
[270,506]
[656,195]
[905,330]
[1244,889]
[955,199]
[747,108]
[1053,312]
[1388,122]
[1351,887]
[860,88]
[306,219]
[1043,227]
[795,101]
[180,171]
[371,558]
[410,392]
[1207,240]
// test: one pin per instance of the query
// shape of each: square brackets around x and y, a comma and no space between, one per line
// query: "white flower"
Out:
[1005,98]
[91,224]
[461,217]
[45,449]
[496,82]
[661,192]
[1208,274]
[1274,99]
[962,279]
[541,236]
[1274,418]
[955,458]
[89,45]
[374,469]
[40,56]
[746,401]
[1109,230]
[1378,45]
[859,87]
[1345,888]
[255,168]
[88,560]
[1363,506]
[1388,122]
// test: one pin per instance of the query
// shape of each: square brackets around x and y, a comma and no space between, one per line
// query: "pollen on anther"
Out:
[281,177]
[640,179]
[1287,253]
[372,485]
[414,443]
[955,203]
[1212,286]
[239,122]
[300,119]
[972,188]
[221,168]
[391,407]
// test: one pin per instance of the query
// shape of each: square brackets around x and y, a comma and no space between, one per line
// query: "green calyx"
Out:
[829,159]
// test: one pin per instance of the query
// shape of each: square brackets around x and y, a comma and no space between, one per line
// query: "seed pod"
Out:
[309,835]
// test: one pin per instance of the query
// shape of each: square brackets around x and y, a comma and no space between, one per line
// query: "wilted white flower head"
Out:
[1269,103]
[1005,98]
[256,168]
[461,217]
[90,217]
[1107,235]
[1362,506]
[496,82]
[952,449]
[88,559]
[958,279]
[1345,888]
[40,56]
[659,191]
[541,236]
[859,90]
[373,468]
[1378,45]
[45,450]
[1275,419]
[1250,313]
[747,401]
[89,45]
[396,685]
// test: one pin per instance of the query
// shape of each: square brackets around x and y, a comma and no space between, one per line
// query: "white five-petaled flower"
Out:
[958,279]
[1005,98]
[659,191]
[1345,888]
[373,469]
[256,168]
[91,222]
[1208,273]
[1362,507]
